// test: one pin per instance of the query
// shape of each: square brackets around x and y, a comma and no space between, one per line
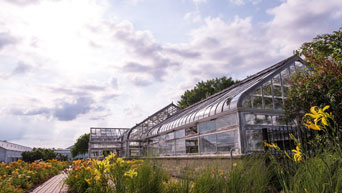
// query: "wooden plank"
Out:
[53,185]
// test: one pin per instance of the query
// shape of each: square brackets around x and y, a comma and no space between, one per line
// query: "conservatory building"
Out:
[229,121]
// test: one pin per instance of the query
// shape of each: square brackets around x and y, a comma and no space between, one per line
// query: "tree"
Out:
[203,90]
[81,145]
[37,154]
[322,85]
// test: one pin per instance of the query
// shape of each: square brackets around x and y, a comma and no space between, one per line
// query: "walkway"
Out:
[53,185]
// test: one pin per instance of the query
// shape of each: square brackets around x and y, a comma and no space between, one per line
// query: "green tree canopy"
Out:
[81,145]
[323,84]
[37,154]
[203,90]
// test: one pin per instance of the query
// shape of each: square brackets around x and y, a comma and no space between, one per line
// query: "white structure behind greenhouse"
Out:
[10,152]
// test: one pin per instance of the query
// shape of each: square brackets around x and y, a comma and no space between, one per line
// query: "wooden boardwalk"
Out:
[53,185]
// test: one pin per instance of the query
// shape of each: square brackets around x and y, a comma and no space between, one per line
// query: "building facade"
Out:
[10,152]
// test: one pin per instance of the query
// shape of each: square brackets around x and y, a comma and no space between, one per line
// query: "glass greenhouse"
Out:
[232,119]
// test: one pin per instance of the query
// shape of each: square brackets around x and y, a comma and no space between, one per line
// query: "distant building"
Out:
[81,156]
[65,152]
[10,152]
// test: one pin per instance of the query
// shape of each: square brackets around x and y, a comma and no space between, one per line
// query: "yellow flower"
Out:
[297,157]
[273,145]
[119,161]
[234,164]
[318,115]
[131,173]
[312,126]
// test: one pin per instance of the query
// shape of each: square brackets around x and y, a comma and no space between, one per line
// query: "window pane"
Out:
[279,120]
[208,143]
[278,103]
[285,76]
[247,102]
[299,65]
[277,90]
[206,126]
[191,145]
[267,87]
[268,102]
[180,147]
[255,140]
[292,69]
[286,90]
[263,120]
[249,118]
[170,136]
[180,133]
[191,131]
[276,80]
[257,102]
[226,121]
[226,141]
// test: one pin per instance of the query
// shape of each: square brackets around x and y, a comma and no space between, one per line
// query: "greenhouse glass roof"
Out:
[224,101]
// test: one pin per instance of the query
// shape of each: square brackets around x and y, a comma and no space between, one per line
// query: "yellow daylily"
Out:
[297,157]
[312,126]
[318,115]
[273,145]
[131,173]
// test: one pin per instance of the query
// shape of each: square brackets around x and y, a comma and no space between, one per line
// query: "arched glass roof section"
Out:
[229,99]
[141,130]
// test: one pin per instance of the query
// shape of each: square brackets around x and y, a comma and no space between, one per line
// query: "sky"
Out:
[68,65]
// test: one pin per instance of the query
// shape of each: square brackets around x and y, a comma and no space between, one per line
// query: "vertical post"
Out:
[265,137]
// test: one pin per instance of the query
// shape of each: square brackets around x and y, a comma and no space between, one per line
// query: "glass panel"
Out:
[258,92]
[187,118]
[252,119]
[276,80]
[268,101]
[213,109]
[267,87]
[277,90]
[292,69]
[170,136]
[180,147]
[182,122]
[206,126]
[191,131]
[206,112]
[208,143]
[226,104]
[299,65]
[279,120]
[286,90]
[247,102]
[249,118]
[192,117]
[226,141]
[180,133]
[285,77]
[257,102]
[226,121]
[278,103]
[220,106]
[255,140]
[191,145]
[199,115]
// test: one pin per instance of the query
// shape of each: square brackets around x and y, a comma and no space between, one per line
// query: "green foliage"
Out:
[323,173]
[323,85]
[81,145]
[203,90]
[37,154]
